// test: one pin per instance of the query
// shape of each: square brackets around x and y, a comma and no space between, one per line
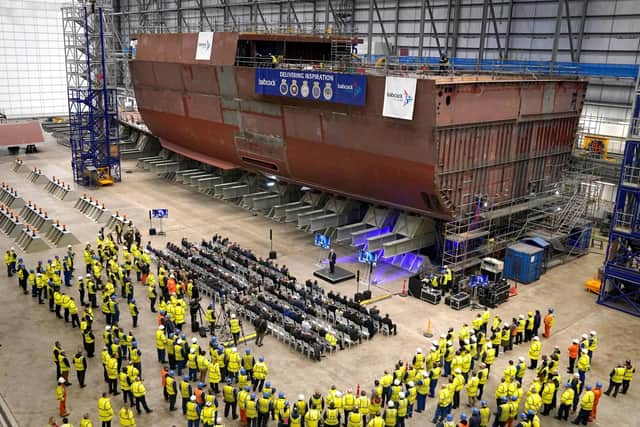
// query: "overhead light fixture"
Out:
[305,188]
[270,184]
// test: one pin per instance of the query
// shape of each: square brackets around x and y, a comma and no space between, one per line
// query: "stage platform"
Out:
[339,275]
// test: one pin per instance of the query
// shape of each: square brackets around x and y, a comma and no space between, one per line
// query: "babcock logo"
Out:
[404,97]
[266,82]
[204,45]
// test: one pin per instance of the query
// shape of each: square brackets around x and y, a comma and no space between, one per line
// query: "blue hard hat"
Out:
[475,411]
[186,378]
[261,358]
[551,310]
[503,399]
[588,387]
[247,388]
[171,335]
[463,417]
[514,398]
[171,373]
[531,412]
[183,336]
[247,350]
[228,380]
[20,260]
[267,384]
[113,297]
[48,260]
[134,344]
[31,271]
[524,416]
[133,300]
[598,385]
[253,396]
[200,385]
[281,394]
[243,371]
[266,394]
[117,340]
[483,403]
[450,417]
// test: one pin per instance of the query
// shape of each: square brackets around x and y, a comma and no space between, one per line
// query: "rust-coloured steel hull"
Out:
[499,138]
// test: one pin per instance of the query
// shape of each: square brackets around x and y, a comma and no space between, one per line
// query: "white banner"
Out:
[205,46]
[399,97]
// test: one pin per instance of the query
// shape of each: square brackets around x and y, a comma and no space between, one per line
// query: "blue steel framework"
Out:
[620,287]
[93,108]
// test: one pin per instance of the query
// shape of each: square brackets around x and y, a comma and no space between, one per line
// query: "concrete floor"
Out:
[27,331]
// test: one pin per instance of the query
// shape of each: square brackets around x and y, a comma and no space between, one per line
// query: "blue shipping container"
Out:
[523,263]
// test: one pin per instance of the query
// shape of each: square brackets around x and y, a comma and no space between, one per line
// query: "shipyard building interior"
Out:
[369,213]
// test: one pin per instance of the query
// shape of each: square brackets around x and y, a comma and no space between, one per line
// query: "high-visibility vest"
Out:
[234,326]
[105,411]
[618,375]
[331,417]
[505,411]
[126,417]
[252,411]
[138,389]
[587,400]
[312,418]
[354,420]
[78,363]
[566,398]
[390,417]
[192,411]
[228,393]
[548,391]
[363,405]
[628,373]
[185,390]
[207,415]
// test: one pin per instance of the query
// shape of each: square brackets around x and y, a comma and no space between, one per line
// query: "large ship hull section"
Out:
[477,142]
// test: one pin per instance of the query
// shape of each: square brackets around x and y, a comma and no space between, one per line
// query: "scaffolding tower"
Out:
[620,282]
[91,92]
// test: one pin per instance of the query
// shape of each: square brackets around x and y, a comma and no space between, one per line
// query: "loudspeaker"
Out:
[152,231]
[273,255]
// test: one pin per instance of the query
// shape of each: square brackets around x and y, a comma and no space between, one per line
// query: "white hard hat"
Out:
[473,339]
[61,380]
[391,405]
[233,316]
[411,384]
[80,277]
[233,349]
[585,351]
[12,248]
[396,382]
[521,358]
[179,341]
[466,341]
[338,393]
[443,336]
[576,341]
[536,338]
[593,333]
[301,397]
[522,316]
[506,325]
[418,350]
[193,350]
[161,327]
[107,328]
[585,336]
[193,398]
[489,345]
[458,371]
[194,340]
[401,394]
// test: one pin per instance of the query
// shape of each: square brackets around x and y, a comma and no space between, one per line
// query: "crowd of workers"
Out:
[456,363]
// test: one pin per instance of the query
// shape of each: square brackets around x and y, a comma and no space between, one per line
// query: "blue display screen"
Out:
[367,257]
[322,240]
[159,213]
